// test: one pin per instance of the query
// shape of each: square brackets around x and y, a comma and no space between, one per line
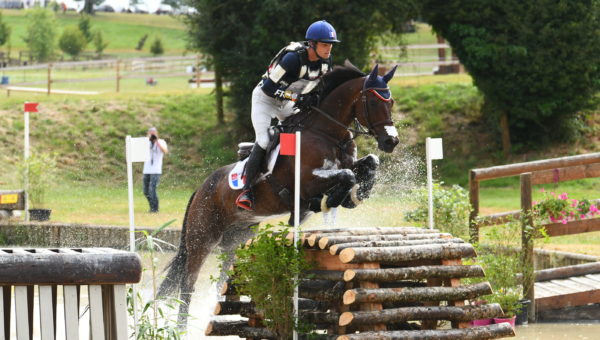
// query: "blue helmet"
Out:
[321,31]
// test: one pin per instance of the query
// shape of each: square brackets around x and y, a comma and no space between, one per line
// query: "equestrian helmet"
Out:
[321,31]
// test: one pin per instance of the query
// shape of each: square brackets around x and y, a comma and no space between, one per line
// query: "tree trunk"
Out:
[332,275]
[219,94]
[412,273]
[360,295]
[477,333]
[239,328]
[88,6]
[315,235]
[465,313]
[409,253]
[505,126]
[337,248]
[318,291]
[325,242]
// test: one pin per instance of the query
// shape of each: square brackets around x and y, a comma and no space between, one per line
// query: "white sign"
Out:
[435,149]
[138,149]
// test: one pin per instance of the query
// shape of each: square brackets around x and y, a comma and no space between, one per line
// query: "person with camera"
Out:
[153,167]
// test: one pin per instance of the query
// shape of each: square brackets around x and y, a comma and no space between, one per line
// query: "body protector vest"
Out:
[290,73]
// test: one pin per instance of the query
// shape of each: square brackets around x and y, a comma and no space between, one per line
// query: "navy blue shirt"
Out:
[294,73]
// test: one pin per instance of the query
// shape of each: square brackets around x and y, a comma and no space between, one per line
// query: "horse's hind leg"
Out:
[337,184]
[202,237]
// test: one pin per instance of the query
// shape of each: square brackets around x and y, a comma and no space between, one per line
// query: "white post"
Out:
[433,150]
[129,159]
[26,157]
[296,219]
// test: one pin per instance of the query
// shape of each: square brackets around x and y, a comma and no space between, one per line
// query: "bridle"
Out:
[363,97]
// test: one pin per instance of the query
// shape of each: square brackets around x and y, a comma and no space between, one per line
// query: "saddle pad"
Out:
[236,176]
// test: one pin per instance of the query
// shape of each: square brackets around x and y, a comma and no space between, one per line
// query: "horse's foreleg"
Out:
[337,184]
[365,170]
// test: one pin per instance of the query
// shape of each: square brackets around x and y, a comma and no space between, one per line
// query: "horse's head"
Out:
[374,109]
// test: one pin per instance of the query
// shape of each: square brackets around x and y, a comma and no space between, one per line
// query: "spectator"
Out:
[153,167]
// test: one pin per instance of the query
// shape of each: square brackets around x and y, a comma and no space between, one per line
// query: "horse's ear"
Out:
[390,74]
[374,72]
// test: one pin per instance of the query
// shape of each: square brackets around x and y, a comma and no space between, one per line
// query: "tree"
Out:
[72,41]
[40,35]
[157,47]
[88,6]
[85,27]
[4,31]
[99,43]
[242,36]
[536,62]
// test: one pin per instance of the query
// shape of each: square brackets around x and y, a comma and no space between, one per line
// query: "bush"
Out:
[265,271]
[99,43]
[157,47]
[4,31]
[141,42]
[40,35]
[451,209]
[72,41]
[39,169]
[85,27]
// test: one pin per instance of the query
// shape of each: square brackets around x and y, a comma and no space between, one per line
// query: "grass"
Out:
[121,30]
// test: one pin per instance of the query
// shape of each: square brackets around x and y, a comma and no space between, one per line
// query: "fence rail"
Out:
[104,271]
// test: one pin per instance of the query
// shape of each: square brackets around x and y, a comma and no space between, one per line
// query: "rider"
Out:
[292,75]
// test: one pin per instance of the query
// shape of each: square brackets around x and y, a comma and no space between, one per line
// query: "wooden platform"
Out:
[567,292]
[10,89]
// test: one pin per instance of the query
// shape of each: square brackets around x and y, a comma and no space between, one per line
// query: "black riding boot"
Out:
[253,168]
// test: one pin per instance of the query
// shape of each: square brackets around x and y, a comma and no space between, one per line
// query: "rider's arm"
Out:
[281,76]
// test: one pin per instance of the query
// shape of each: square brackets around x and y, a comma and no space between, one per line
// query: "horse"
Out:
[331,175]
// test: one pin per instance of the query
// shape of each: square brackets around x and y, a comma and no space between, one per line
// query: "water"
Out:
[558,331]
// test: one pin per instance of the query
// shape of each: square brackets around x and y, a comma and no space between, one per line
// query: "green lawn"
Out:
[122,31]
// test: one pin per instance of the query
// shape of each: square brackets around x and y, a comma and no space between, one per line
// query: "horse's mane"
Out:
[338,76]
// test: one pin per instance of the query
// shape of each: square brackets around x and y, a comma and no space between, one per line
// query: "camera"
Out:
[153,138]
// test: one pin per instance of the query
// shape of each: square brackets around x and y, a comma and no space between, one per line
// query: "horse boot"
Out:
[253,168]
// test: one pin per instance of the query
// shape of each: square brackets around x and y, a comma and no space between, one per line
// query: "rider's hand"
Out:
[305,101]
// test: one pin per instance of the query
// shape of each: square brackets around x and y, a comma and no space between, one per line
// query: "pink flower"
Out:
[593,209]
[582,216]
[563,196]
[564,221]
[535,202]
[542,190]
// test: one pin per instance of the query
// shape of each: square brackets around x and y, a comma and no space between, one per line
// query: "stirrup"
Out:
[245,202]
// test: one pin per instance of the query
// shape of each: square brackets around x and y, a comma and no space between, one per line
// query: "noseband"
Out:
[363,96]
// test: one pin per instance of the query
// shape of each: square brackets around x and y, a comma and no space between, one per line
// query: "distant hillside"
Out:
[122,31]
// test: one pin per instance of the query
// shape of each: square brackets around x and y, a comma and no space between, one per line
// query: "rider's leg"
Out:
[263,108]
[253,169]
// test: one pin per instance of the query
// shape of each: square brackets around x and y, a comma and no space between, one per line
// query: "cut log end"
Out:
[349,297]
[323,242]
[217,310]
[346,319]
[347,255]
[333,249]
[343,337]
[349,275]
[209,329]
[312,240]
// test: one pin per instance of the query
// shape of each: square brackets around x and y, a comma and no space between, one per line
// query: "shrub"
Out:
[72,41]
[85,27]
[39,169]
[40,35]
[4,31]
[451,209]
[99,43]
[157,47]
[141,42]
[265,271]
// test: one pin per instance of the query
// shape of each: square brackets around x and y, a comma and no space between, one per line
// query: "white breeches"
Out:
[264,108]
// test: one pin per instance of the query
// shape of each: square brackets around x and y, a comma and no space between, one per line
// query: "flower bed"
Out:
[559,208]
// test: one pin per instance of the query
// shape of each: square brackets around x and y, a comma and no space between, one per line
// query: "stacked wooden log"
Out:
[380,283]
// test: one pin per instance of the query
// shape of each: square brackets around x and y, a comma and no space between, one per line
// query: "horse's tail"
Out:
[176,269]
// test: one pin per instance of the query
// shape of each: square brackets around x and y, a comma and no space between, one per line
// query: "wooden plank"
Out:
[120,312]
[47,313]
[549,287]
[455,282]
[96,316]
[568,300]
[571,286]
[595,277]
[572,227]
[22,313]
[545,164]
[36,89]
[567,271]
[566,174]
[560,290]
[371,306]
[5,295]
[499,218]
[584,280]
[71,303]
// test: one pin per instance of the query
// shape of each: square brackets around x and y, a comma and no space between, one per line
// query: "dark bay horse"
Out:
[330,172]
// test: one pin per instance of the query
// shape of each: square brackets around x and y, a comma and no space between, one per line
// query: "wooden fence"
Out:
[531,173]
[104,271]
[111,73]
